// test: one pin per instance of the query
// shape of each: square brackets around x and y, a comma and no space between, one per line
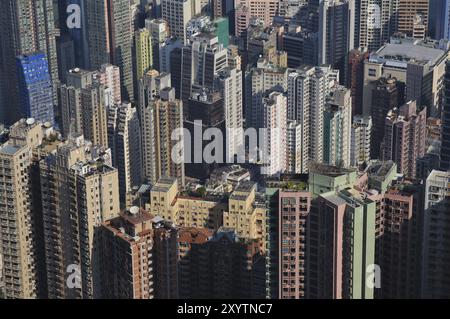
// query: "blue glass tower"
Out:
[35,87]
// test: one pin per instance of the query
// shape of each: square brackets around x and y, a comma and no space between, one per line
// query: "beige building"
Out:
[412,17]
[185,211]
[419,64]
[161,118]
[246,213]
[16,220]
[79,192]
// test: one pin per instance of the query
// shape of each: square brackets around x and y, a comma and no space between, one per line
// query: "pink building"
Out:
[294,208]
[405,137]
[109,76]
[264,10]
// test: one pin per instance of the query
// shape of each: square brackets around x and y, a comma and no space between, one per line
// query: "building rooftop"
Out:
[9,149]
[405,51]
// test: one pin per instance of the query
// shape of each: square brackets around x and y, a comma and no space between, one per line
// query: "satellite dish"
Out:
[134,210]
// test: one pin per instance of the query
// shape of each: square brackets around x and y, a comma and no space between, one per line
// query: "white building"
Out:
[274,148]
[294,147]
[178,13]
[337,127]
[307,91]
[230,86]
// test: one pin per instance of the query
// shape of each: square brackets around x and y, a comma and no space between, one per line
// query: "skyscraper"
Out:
[124,140]
[342,237]
[411,17]
[143,51]
[110,39]
[177,13]
[337,127]
[231,88]
[399,245]
[336,38]
[385,97]
[274,122]
[360,140]
[71,217]
[293,210]
[131,231]
[404,137]
[28,27]
[136,238]
[355,78]
[19,241]
[308,89]
[445,128]
[160,119]
[35,88]
[436,252]
[201,60]
[372,23]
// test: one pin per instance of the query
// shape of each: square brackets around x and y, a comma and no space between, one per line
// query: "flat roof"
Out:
[408,51]
[9,149]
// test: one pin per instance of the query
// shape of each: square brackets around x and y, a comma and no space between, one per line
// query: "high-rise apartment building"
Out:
[436,252]
[302,47]
[35,87]
[360,140]
[124,140]
[245,10]
[405,137]
[293,210]
[337,127]
[199,63]
[79,192]
[186,211]
[435,273]
[260,81]
[445,128]
[341,243]
[128,275]
[274,148]
[177,13]
[355,77]
[336,33]
[372,23]
[308,89]
[247,213]
[18,231]
[28,27]
[231,88]
[220,265]
[385,96]
[143,51]
[109,76]
[162,117]
[110,39]
[139,257]
[411,17]
[70,104]
[159,32]
[399,245]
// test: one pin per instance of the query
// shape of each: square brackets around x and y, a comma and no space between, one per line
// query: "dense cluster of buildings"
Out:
[281,149]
